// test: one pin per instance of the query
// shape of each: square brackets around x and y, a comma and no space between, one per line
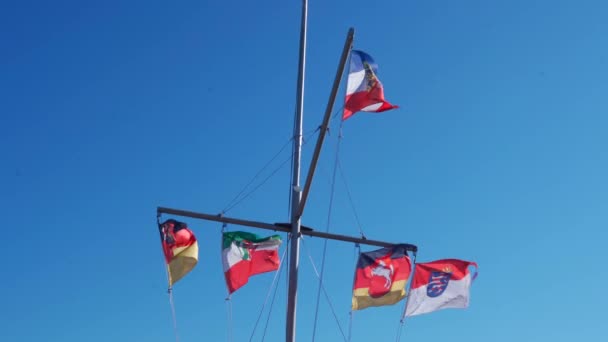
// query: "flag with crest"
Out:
[364,91]
[179,247]
[380,277]
[440,284]
[246,254]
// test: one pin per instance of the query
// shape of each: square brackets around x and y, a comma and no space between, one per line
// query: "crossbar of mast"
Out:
[282,228]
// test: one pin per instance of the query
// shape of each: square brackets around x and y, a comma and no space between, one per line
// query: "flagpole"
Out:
[294,258]
[330,104]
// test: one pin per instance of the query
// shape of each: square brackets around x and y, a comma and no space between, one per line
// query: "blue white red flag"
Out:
[364,91]
[440,284]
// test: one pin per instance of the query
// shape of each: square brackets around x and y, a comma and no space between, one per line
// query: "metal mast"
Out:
[296,193]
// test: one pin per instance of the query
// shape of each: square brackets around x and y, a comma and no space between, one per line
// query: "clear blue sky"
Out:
[497,155]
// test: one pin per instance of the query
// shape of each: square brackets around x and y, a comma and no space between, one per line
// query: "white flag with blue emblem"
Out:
[440,284]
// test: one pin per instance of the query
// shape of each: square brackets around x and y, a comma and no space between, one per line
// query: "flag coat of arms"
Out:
[364,91]
[246,254]
[380,277]
[179,247]
[440,284]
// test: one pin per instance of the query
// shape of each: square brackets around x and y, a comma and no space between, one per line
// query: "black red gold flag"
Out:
[380,277]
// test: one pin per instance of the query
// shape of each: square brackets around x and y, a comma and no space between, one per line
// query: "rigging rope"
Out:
[350,319]
[172,304]
[407,299]
[228,298]
[293,151]
[169,290]
[274,295]
[331,200]
[257,174]
[287,261]
[337,112]
[229,311]
[289,202]
[352,204]
[344,178]
[235,202]
[324,291]
[275,279]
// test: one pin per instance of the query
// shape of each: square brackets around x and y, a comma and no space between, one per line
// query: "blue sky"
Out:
[497,154]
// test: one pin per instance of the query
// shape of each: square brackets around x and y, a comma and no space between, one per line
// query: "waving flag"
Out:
[180,248]
[364,92]
[380,277]
[246,254]
[440,284]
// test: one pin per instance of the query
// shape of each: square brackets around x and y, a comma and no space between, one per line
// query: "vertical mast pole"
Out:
[296,194]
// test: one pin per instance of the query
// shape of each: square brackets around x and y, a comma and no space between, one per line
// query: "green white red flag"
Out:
[245,254]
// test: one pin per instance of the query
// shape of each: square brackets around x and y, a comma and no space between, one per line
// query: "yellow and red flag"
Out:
[180,248]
